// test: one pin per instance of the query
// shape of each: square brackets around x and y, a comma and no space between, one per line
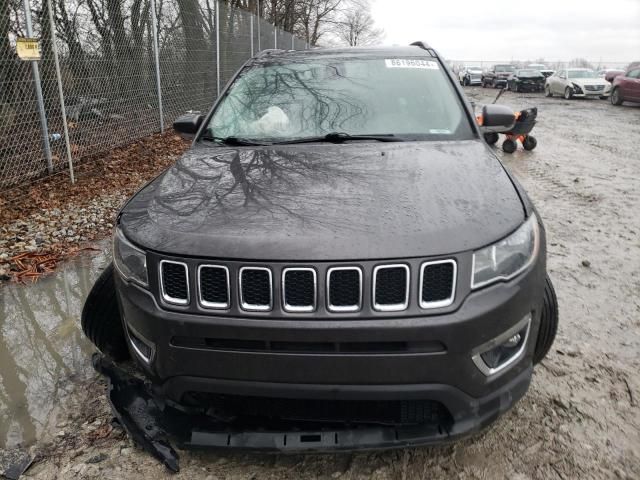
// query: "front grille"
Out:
[299,289]
[385,412]
[594,88]
[344,287]
[437,283]
[256,288]
[213,281]
[326,289]
[174,282]
[391,287]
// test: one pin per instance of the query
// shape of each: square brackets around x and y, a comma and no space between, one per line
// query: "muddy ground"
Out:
[581,417]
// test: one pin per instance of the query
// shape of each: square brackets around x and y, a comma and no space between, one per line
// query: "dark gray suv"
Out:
[339,251]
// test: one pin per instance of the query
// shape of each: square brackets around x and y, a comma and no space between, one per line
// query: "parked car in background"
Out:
[626,87]
[526,80]
[609,73]
[576,82]
[470,76]
[542,68]
[497,75]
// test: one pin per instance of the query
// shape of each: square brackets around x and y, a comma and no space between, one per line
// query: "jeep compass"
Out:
[339,257]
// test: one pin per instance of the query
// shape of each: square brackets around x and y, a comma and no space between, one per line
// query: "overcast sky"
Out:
[525,29]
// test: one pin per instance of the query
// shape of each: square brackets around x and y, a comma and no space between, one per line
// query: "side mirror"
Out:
[497,116]
[188,124]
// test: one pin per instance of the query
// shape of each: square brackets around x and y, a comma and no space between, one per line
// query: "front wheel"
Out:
[547,91]
[548,322]
[568,93]
[465,81]
[100,319]
[491,137]
[615,97]
[509,145]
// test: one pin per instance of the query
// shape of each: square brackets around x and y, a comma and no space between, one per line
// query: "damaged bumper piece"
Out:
[282,426]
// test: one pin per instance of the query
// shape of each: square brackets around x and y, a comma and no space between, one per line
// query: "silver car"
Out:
[470,76]
[576,82]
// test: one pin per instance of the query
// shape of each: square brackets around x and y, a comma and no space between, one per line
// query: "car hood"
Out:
[588,81]
[326,202]
[530,77]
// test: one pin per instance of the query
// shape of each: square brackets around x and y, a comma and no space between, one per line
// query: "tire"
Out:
[509,145]
[568,93]
[484,85]
[615,97]
[547,91]
[529,142]
[491,138]
[548,323]
[516,88]
[465,81]
[101,321]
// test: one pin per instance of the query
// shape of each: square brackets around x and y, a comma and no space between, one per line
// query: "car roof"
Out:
[404,51]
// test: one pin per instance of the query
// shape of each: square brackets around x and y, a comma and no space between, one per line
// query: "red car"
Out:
[626,87]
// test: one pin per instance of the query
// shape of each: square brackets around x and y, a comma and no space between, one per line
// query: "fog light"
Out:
[503,351]
[143,347]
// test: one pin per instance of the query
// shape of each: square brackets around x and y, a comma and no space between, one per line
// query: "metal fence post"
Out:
[293,42]
[63,109]
[218,47]
[275,37]
[36,81]
[156,57]
[251,28]
[259,39]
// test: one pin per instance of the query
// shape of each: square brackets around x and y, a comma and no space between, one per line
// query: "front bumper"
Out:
[445,372]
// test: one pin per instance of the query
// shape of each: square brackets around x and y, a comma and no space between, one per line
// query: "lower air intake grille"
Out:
[391,291]
[437,283]
[386,412]
[214,286]
[299,289]
[175,287]
[344,286]
[255,288]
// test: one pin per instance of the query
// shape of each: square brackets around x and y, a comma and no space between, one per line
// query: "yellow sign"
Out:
[28,48]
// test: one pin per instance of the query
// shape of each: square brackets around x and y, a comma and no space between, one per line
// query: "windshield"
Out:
[581,74]
[505,68]
[290,99]
[529,73]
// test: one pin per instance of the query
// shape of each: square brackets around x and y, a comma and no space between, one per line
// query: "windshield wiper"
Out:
[339,137]
[234,141]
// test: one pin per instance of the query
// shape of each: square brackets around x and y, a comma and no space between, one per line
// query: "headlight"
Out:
[508,257]
[130,261]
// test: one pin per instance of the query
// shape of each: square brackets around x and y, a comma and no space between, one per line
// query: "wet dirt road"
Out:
[580,419]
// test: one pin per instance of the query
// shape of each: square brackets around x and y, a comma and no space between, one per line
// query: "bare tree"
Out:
[356,26]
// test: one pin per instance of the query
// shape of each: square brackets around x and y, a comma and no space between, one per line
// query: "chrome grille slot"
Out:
[256,289]
[213,284]
[299,289]
[174,282]
[437,283]
[344,289]
[391,287]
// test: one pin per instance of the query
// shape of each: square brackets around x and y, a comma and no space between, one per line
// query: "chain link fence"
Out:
[125,69]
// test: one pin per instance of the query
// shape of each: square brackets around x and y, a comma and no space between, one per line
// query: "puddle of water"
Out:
[42,347]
